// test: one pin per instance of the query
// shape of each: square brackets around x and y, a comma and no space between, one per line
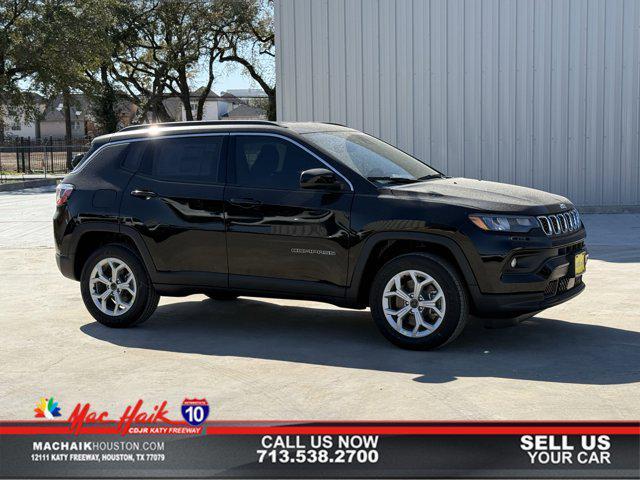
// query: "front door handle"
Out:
[245,202]
[146,194]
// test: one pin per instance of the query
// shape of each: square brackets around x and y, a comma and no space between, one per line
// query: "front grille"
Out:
[571,249]
[551,288]
[560,223]
[562,285]
[557,287]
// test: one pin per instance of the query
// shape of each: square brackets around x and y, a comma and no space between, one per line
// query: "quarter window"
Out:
[188,159]
[269,162]
[109,155]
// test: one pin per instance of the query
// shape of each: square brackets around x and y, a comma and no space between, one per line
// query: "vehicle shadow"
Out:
[538,349]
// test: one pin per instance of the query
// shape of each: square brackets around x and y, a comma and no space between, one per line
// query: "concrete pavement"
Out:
[283,359]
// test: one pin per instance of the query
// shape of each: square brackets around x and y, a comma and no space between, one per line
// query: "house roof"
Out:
[245,111]
[247,93]
[199,91]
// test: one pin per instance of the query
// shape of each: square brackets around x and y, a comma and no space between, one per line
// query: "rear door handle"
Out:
[244,202]
[146,194]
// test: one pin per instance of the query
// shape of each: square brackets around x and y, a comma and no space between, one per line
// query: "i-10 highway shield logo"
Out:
[195,411]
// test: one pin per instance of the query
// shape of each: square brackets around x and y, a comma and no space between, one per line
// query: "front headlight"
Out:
[504,223]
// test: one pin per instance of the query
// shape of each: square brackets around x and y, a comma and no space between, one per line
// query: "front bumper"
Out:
[545,275]
[520,303]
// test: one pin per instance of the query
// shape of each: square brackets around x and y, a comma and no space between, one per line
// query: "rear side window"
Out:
[131,161]
[189,159]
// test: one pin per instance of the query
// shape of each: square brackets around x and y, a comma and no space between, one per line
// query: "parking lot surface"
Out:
[283,359]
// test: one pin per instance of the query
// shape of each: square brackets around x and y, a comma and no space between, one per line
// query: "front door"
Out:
[175,201]
[280,237]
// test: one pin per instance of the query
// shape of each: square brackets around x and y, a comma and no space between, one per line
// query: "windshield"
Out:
[372,158]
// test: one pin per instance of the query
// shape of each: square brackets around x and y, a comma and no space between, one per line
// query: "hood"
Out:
[485,196]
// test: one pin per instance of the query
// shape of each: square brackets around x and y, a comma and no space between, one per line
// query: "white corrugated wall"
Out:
[543,93]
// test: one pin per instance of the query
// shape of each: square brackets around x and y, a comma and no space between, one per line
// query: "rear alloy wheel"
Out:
[116,288]
[112,286]
[418,301]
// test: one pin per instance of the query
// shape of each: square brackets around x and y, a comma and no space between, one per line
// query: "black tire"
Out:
[221,296]
[146,299]
[456,311]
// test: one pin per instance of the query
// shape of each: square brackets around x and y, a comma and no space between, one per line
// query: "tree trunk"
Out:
[186,103]
[271,109]
[66,107]
[185,94]
[108,115]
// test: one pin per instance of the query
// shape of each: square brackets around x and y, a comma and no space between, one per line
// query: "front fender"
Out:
[375,239]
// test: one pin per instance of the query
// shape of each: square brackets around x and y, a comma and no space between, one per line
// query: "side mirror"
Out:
[76,160]
[319,179]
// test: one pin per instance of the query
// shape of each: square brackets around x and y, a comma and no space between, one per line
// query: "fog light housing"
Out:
[514,262]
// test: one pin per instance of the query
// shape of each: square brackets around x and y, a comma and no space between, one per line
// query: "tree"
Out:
[171,40]
[250,42]
[15,20]
[67,38]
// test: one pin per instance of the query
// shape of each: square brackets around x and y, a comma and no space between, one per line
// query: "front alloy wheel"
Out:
[414,303]
[419,301]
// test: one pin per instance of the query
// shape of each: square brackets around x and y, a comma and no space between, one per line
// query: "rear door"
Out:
[281,237]
[175,201]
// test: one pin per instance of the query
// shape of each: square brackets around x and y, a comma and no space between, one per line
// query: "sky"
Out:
[227,79]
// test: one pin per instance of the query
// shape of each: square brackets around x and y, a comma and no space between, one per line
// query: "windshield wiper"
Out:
[393,179]
[431,177]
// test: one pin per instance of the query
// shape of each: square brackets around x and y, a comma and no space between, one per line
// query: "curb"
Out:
[9,187]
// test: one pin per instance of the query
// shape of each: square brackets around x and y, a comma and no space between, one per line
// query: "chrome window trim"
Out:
[144,139]
[298,144]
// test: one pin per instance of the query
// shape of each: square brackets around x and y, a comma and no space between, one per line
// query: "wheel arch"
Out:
[381,247]
[90,237]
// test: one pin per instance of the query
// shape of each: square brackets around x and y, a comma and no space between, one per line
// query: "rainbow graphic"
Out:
[47,408]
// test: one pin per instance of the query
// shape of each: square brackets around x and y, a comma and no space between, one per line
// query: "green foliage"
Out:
[140,51]
[15,22]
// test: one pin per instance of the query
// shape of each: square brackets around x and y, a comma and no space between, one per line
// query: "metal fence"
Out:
[43,156]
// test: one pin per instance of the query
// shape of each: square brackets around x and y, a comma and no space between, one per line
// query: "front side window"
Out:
[269,162]
[372,158]
[188,159]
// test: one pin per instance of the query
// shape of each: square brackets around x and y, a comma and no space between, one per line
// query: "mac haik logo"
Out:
[129,421]
[47,408]
[563,206]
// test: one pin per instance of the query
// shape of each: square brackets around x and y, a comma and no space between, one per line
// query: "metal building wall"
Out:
[543,93]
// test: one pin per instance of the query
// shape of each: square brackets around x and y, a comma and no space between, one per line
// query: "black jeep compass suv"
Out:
[307,210]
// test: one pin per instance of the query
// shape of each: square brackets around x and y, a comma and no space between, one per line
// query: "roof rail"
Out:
[200,122]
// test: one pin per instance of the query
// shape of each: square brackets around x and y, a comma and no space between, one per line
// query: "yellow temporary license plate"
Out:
[580,263]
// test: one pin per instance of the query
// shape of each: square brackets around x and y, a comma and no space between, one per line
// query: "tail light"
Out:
[63,192]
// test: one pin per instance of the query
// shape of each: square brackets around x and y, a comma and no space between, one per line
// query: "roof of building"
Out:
[247,93]
[198,92]
[245,111]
